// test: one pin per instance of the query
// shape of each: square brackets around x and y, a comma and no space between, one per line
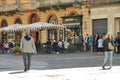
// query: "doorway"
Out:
[99,26]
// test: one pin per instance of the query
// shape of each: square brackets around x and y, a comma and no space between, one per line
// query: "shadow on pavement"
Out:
[5,68]
[17,72]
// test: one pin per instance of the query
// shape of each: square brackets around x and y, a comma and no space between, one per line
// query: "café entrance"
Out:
[73,28]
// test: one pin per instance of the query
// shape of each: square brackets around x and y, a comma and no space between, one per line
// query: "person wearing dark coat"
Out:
[117,43]
[48,46]
[38,45]
[81,42]
[95,42]
[55,47]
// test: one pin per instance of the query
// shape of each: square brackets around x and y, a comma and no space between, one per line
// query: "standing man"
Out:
[80,42]
[48,46]
[27,47]
[86,42]
[95,42]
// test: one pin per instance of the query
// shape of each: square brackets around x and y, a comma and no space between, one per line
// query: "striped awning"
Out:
[33,27]
[12,28]
[43,25]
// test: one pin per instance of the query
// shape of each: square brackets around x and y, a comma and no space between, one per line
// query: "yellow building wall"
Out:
[0,2]
[10,1]
[45,15]
[43,36]
[111,12]
[25,4]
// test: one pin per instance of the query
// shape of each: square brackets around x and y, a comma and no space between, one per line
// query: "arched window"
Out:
[4,34]
[18,21]
[73,13]
[34,18]
[4,23]
[53,19]
[52,34]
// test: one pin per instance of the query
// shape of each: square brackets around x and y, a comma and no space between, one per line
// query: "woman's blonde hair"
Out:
[108,35]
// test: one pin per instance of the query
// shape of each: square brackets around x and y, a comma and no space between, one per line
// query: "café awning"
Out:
[71,24]
[43,25]
[33,27]
[12,28]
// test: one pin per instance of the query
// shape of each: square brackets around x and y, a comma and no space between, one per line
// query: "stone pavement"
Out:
[55,61]
[67,66]
[88,73]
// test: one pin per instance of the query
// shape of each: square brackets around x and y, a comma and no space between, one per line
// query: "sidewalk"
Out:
[90,73]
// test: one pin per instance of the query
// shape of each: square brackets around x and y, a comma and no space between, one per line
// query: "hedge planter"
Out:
[71,48]
[16,50]
[17,53]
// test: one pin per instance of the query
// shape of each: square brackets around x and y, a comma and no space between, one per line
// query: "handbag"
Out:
[110,46]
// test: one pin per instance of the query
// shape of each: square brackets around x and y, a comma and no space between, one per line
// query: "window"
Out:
[4,34]
[4,23]
[33,4]
[18,21]
[3,3]
[53,20]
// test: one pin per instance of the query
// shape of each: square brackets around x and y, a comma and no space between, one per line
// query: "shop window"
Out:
[3,3]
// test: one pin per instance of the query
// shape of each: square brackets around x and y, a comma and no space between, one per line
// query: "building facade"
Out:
[31,11]
[105,16]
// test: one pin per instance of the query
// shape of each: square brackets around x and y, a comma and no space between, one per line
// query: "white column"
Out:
[111,25]
[58,34]
[117,25]
[0,36]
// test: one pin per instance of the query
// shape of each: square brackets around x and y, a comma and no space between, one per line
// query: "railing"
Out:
[104,2]
[44,3]
[34,5]
[8,8]
[38,4]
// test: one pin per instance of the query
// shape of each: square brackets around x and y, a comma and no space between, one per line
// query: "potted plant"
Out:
[17,50]
[71,48]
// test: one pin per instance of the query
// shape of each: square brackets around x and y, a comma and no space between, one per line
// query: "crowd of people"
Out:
[6,46]
[95,43]
[99,43]
[84,44]
[53,46]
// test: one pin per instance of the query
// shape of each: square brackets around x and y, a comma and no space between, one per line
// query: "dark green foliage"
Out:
[71,48]
[16,49]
